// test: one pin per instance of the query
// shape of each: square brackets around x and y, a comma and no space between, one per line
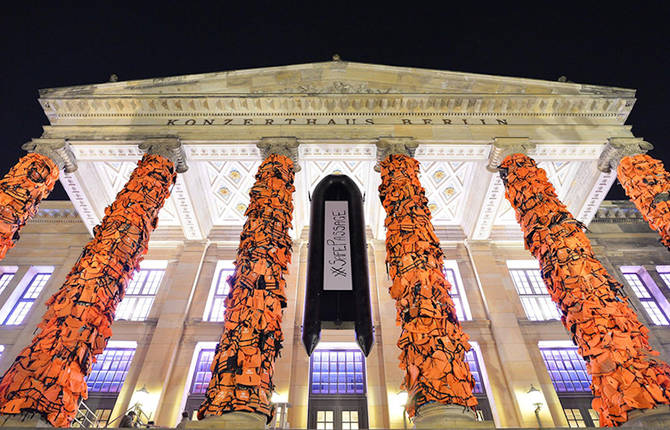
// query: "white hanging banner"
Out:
[336,247]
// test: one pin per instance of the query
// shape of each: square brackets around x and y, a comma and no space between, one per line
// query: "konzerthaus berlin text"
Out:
[420,234]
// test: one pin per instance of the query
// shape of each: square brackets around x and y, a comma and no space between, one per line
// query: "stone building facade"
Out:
[338,112]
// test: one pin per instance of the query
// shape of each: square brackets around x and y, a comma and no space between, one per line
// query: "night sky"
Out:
[54,46]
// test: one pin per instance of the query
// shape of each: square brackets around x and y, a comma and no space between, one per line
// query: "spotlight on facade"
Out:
[142,396]
[401,398]
[536,399]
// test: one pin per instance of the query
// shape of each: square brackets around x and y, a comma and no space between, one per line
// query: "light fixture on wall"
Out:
[142,396]
[536,399]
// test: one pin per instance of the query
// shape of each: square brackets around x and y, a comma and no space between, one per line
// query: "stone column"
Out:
[433,345]
[27,183]
[48,375]
[643,178]
[603,325]
[239,392]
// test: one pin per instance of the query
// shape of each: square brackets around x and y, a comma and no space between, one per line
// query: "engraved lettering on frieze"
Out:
[334,121]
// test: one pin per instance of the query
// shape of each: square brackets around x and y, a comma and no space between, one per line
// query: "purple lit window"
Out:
[647,299]
[110,370]
[455,293]
[202,373]
[337,372]
[140,295]
[567,370]
[471,358]
[218,307]
[534,296]
[25,302]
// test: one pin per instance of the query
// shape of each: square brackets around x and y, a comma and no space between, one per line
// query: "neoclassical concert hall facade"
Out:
[205,137]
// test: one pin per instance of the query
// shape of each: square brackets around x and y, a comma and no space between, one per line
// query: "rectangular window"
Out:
[337,372]
[109,371]
[457,293]
[533,293]
[6,276]
[2,350]
[567,370]
[202,372]
[141,291]
[647,299]
[27,298]
[574,417]
[214,311]
[471,358]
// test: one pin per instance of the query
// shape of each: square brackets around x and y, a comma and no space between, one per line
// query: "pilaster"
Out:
[167,335]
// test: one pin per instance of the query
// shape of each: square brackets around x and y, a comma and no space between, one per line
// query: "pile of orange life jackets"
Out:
[647,184]
[243,365]
[48,376]
[595,311]
[432,341]
[21,192]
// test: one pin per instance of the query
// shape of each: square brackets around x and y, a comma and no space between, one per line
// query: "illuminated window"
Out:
[202,372]
[457,293]
[141,291]
[27,298]
[324,420]
[471,358]
[109,371]
[532,291]
[574,417]
[349,420]
[645,296]
[214,311]
[2,350]
[6,276]
[337,372]
[567,370]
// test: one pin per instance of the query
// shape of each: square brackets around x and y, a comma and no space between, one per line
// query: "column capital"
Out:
[286,146]
[58,150]
[619,147]
[394,145]
[168,147]
[501,147]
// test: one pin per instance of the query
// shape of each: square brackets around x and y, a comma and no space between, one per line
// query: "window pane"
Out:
[140,294]
[535,298]
[5,279]
[648,301]
[571,375]
[202,373]
[455,293]
[471,358]
[109,371]
[343,370]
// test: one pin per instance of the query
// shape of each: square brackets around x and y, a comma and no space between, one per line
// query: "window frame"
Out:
[655,298]
[567,346]
[532,303]
[224,268]
[28,295]
[7,272]
[122,346]
[132,300]
[452,265]
[337,393]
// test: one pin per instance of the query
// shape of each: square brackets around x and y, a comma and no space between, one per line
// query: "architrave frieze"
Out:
[337,109]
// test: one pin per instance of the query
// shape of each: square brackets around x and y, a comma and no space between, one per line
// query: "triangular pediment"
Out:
[334,77]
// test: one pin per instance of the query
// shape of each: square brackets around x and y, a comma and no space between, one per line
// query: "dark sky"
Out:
[55,45]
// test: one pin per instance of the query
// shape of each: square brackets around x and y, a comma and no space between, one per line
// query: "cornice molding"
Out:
[334,104]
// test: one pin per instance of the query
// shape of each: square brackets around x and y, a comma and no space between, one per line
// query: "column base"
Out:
[24,419]
[659,417]
[439,416]
[231,420]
